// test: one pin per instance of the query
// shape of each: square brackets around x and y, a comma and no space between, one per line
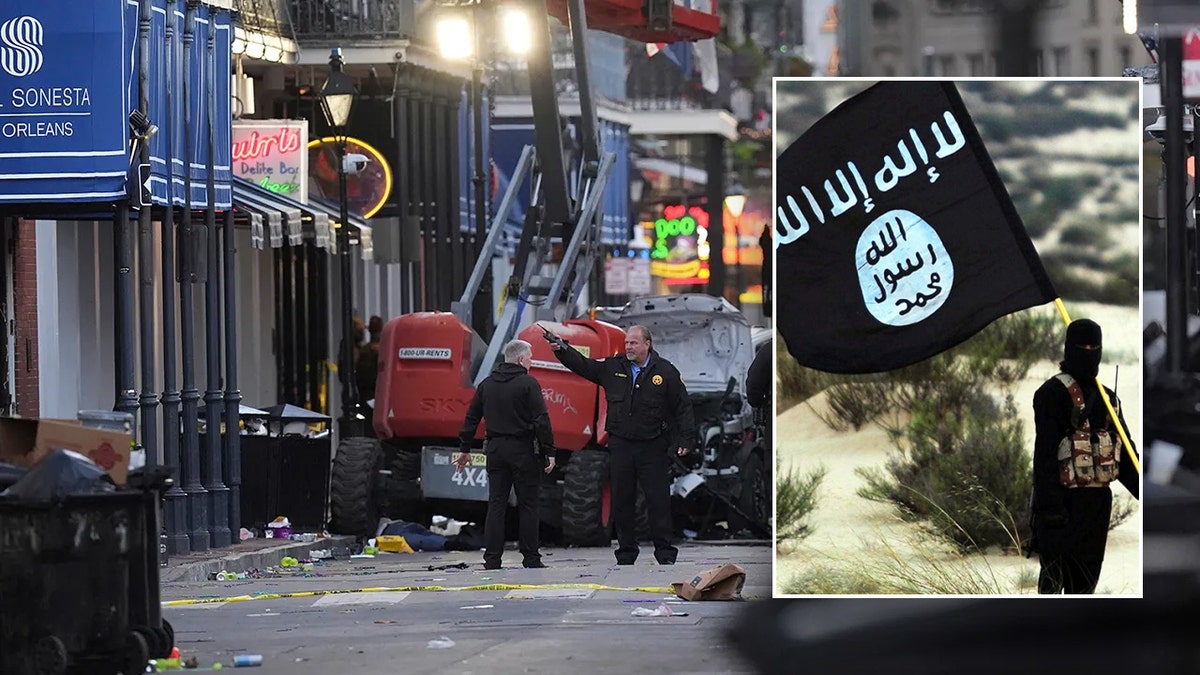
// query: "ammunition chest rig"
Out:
[1087,457]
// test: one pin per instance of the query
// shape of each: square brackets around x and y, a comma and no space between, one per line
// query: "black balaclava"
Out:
[1082,364]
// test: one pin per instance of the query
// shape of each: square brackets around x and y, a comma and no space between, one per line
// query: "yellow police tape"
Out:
[395,589]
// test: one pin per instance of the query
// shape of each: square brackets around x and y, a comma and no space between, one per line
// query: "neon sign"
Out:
[677,222]
[273,154]
[256,146]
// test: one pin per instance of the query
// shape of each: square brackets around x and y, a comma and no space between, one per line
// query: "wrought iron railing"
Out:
[363,20]
[264,16]
[660,84]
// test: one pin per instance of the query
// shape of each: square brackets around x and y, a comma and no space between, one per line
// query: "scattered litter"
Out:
[247,660]
[639,601]
[358,556]
[289,561]
[441,643]
[280,528]
[478,607]
[385,621]
[307,537]
[246,534]
[320,554]
[456,566]
[192,663]
[485,578]
[661,610]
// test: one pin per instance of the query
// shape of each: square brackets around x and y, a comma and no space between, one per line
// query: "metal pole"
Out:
[176,511]
[433,257]
[233,397]
[350,426]
[482,312]
[448,176]
[1176,212]
[715,165]
[197,495]
[218,494]
[149,400]
[741,276]
[449,266]
[123,245]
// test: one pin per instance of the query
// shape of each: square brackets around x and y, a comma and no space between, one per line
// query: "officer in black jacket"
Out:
[1072,500]
[511,402]
[648,413]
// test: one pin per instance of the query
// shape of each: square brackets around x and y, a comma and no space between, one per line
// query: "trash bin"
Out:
[286,473]
[68,573]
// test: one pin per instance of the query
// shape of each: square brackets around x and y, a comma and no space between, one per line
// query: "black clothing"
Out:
[510,401]
[648,417]
[645,463]
[1065,574]
[1070,525]
[366,371]
[510,465]
[655,404]
[759,379]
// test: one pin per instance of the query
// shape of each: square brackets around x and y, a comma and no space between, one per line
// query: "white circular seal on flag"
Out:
[904,269]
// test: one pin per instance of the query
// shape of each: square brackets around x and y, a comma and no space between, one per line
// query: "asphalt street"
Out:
[382,615]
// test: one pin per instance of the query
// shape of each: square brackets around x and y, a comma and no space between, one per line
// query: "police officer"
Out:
[511,402]
[1077,454]
[648,413]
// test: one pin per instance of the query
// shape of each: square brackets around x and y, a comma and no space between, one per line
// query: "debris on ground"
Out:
[661,610]
[441,643]
[720,583]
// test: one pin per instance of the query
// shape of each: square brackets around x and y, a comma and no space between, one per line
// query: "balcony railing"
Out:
[319,21]
[268,17]
[660,84]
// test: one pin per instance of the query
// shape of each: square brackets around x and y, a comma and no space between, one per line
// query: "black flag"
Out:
[895,238]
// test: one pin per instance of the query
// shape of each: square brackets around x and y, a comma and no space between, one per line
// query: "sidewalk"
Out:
[242,557]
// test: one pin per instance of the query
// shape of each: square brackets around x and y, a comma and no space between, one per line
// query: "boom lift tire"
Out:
[352,487]
[585,480]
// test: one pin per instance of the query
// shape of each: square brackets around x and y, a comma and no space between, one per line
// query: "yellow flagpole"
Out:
[1062,309]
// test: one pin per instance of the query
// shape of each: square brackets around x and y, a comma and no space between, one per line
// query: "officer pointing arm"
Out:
[594,371]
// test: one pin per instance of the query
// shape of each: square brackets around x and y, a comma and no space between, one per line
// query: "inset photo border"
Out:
[934,239]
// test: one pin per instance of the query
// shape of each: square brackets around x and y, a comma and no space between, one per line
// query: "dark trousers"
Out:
[1068,574]
[643,463]
[511,463]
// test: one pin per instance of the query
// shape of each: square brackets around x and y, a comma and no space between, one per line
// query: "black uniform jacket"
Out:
[655,404]
[510,399]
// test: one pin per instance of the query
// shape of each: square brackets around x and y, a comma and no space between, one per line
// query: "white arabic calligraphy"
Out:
[904,270]
[792,222]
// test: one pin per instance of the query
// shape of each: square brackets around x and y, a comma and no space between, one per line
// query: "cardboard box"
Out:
[722,583]
[25,442]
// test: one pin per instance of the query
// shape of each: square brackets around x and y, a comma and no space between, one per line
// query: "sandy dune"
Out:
[849,531]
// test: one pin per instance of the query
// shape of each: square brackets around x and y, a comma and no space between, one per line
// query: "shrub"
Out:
[795,499]
[962,471]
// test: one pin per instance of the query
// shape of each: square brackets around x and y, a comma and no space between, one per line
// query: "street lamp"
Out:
[337,100]
[735,203]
